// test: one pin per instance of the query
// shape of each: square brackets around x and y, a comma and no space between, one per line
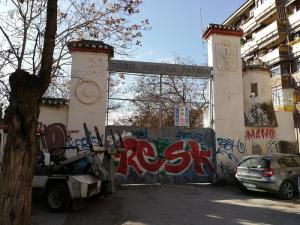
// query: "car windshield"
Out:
[257,162]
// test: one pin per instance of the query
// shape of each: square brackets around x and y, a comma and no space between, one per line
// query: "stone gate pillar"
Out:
[224,55]
[88,91]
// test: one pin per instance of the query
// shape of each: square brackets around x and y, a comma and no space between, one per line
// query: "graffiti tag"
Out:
[260,133]
[142,157]
[272,146]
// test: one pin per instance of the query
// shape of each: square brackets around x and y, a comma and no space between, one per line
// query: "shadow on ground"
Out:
[176,205]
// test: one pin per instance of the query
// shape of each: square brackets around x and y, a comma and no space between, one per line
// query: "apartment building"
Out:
[272,34]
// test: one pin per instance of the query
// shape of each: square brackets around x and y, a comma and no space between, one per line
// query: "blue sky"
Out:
[176,27]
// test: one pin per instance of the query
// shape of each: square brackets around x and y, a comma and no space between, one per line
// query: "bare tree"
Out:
[33,55]
[106,20]
[174,91]
[22,115]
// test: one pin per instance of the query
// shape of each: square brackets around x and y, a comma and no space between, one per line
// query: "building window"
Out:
[295,36]
[260,2]
[298,67]
[277,97]
[263,1]
[275,71]
[254,91]
[285,68]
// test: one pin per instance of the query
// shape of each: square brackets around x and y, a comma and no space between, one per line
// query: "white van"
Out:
[63,182]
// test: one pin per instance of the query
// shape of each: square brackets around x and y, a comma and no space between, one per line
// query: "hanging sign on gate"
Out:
[182,115]
[159,68]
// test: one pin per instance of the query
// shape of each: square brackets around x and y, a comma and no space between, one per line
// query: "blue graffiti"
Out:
[82,143]
[190,135]
[227,146]
[141,134]
[201,138]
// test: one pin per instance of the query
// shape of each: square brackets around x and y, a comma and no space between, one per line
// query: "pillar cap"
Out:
[90,46]
[222,30]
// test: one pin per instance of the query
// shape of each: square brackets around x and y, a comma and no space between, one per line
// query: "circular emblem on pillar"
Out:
[88,92]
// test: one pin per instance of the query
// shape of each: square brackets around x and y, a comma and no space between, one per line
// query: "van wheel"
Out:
[58,198]
[286,190]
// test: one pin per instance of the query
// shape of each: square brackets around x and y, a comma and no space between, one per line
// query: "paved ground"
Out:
[176,205]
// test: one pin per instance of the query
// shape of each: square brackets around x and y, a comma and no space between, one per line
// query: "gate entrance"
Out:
[181,155]
[163,154]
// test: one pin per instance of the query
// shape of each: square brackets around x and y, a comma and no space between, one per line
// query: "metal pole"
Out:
[211,103]
[212,130]
[108,93]
[160,105]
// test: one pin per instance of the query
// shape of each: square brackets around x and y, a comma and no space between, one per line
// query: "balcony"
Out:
[296,77]
[279,54]
[295,50]
[294,21]
[283,99]
[248,48]
[249,25]
[265,10]
[270,36]
[284,81]
[288,2]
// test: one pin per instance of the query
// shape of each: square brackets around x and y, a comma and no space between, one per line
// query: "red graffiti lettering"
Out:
[178,160]
[200,157]
[123,163]
[142,157]
[264,133]
[257,136]
[272,134]
[146,154]
[250,134]
[132,147]
[260,133]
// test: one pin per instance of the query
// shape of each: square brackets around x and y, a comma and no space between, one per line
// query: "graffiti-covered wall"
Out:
[180,156]
[266,131]
[229,152]
[241,115]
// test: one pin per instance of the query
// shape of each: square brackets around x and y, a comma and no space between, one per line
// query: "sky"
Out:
[177,27]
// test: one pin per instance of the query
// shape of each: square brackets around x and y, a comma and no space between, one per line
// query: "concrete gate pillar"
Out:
[88,91]
[224,55]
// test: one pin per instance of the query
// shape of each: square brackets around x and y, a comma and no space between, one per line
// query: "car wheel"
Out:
[58,198]
[286,190]
[240,186]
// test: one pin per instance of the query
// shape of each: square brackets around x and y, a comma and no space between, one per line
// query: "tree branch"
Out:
[49,44]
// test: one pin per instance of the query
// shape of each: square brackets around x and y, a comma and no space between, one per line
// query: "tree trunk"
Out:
[20,149]
[22,118]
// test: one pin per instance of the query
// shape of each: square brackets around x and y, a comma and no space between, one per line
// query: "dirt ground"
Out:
[175,205]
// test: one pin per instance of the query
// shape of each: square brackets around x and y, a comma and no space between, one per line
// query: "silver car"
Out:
[276,173]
